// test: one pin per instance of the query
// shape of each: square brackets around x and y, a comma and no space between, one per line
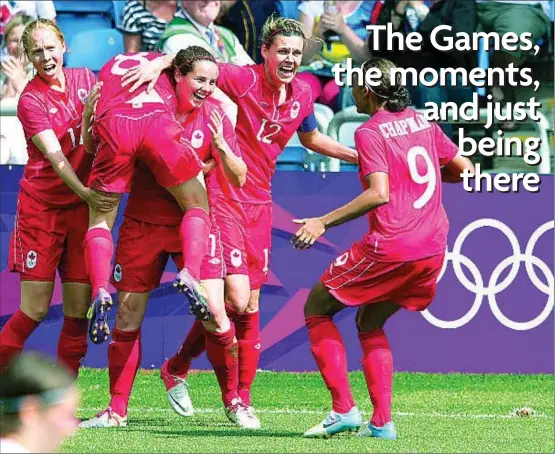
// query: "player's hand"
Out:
[92,100]
[209,166]
[333,21]
[308,234]
[100,201]
[13,69]
[146,72]
[217,129]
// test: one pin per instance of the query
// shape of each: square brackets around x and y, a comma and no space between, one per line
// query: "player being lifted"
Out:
[141,126]
[402,161]
[55,110]
[150,234]
[272,105]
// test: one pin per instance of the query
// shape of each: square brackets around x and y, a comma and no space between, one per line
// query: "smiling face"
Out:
[13,41]
[198,84]
[282,59]
[46,51]
[203,11]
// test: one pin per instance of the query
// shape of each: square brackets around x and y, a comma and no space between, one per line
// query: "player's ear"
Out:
[177,75]
[264,51]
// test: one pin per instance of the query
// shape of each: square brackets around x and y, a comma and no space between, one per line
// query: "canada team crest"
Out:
[197,139]
[118,273]
[236,258]
[32,258]
[295,108]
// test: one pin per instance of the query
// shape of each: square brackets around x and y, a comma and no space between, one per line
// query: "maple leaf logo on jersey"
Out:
[32,258]
[295,109]
[197,139]
[236,258]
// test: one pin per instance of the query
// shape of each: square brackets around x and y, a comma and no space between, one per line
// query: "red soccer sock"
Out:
[328,349]
[99,248]
[13,336]
[377,363]
[232,314]
[247,330]
[194,231]
[72,344]
[221,349]
[192,347]
[124,359]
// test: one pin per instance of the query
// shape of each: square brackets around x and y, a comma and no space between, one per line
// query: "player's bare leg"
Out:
[194,233]
[377,363]
[99,248]
[35,301]
[329,352]
[124,360]
[72,344]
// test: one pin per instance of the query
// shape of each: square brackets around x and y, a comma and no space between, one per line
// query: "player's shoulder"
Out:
[301,89]
[33,91]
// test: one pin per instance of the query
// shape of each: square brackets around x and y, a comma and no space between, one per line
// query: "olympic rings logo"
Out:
[494,287]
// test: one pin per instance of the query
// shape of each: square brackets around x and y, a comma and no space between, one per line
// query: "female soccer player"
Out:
[402,159]
[272,106]
[55,110]
[150,234]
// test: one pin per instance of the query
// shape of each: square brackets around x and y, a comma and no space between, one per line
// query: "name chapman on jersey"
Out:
[404,127]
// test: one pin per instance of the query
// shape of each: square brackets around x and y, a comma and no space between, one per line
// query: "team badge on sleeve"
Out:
[32,258]
[295,109]
[118,273]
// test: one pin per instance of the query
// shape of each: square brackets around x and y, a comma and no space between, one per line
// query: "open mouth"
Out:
[199,98]
[49,68]
[286,71]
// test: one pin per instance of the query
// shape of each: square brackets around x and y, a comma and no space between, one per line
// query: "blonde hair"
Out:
[16,21]
[27,37]
[276,25]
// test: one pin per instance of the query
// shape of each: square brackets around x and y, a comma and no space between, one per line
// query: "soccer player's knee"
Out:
[38,312]
[238,301]
[254,301]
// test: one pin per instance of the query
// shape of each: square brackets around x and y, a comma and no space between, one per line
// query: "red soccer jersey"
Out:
[413,225]
[41,108]
[114,96]
[264,128]
[151,203]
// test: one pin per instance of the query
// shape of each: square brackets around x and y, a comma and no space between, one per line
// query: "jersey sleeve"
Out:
[371,149]
[33,115]
[235,81]
[446,149]
[309,123]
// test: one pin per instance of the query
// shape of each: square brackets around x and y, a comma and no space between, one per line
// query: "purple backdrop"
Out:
[492,313]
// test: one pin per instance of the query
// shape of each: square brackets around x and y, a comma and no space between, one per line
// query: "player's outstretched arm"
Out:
[88,113]
[376,195]
[451,172]
[48,144]
[325,145]
[147,72]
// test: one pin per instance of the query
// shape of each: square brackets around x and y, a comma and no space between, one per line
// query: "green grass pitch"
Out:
[432,413]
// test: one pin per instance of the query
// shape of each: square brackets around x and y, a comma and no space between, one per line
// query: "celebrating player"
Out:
[272,105]
[150,234]
[397,263]
[142,126]
[51,218]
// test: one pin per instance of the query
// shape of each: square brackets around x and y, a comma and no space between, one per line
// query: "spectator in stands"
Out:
[38,401]
[415,15]
[342,27]
[143,23]
[245,18]
[35,9]
[512,16]
[194,25]
[16,72]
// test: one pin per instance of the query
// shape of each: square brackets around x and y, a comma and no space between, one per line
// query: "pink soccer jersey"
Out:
[264,128]
[413,225]
[113,96]
[41,108]
[151,203]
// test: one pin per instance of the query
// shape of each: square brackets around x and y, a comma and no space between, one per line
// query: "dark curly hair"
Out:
[395,97]
[186,58]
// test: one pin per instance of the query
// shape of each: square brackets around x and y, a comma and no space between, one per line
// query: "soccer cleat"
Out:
[194,292]
[177,391]
[106,418]
[387,432]
[98,316]
[241,415]
[336,423]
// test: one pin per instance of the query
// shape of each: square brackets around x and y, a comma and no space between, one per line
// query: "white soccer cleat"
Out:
[106,418]
[336,423]
[177,391]
[242,416]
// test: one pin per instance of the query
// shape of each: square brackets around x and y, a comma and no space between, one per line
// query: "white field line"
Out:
[287,411]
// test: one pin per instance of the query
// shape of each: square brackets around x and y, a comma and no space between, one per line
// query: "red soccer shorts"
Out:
[355,280]
[258,242]
[143,251]
[151,135]
[45,239]
[231,221]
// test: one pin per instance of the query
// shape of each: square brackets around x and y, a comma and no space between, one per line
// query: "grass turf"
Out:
[432,413]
